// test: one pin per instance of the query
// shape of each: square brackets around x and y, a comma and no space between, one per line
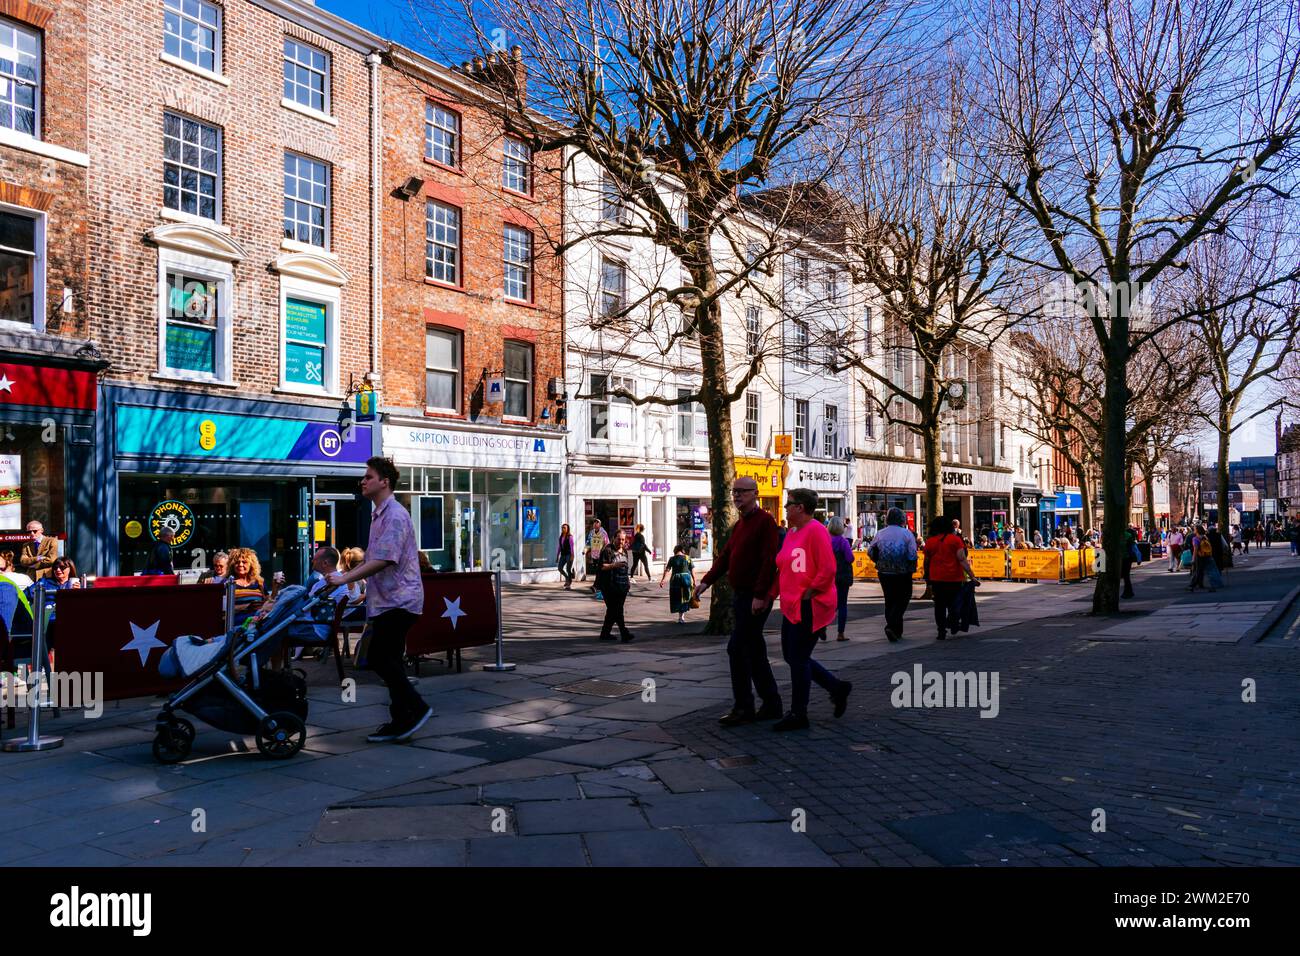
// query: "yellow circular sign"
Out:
[208,434]
[175,515]
[134,529]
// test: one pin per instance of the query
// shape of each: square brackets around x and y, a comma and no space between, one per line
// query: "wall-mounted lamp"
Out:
[411,188]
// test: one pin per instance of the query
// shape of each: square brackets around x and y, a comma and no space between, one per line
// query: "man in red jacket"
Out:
[749,561]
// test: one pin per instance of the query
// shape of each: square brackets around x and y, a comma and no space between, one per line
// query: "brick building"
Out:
[47,363]
[472,329]
[231,149]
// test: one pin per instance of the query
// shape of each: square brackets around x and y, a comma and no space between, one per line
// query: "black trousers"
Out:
[945,604]
[747,653]
[387,648]
[565,567]
[897,589]
[613,613]
[1125,571]
[641,559]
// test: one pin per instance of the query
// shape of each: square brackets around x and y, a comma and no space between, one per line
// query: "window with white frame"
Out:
[802,349]
[752,331]
[518,262]
[22,269]
[610,417]
[802,269]
[519,380]
[516,166]
[800,426]
[832,281]
[306,200]
[192,32]
[441,135]
[613,286]
[195,324]
[613,208]
[692,428]
[442,369]
[191,166]
[307,345]
[868,413]
[751,421]
[20,78]
[830,430]
[442,242]
[868,346]
[306,75]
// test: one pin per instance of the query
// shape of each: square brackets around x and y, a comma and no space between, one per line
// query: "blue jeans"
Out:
[797,644]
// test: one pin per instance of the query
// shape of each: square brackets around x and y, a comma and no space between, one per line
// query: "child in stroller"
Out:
[231,688]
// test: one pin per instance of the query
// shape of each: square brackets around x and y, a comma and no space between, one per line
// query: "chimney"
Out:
[500,70]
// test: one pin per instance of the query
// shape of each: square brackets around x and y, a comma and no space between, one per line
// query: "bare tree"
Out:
[1137,128]
[1245,324]
[683,104]
[927,232]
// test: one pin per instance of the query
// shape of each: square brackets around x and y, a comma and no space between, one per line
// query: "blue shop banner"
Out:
[1069,502]
[186,433]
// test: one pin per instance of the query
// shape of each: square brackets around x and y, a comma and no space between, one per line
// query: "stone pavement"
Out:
[575,759]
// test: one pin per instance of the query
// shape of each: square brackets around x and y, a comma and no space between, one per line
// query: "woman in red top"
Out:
[806,585]
[946,568]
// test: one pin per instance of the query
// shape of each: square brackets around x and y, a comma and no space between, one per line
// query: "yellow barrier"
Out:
[863,567]
[1036,565]
[988,563]
[1073,564]
[1089,561]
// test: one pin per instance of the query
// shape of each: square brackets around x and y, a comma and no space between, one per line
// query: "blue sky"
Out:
[385,17]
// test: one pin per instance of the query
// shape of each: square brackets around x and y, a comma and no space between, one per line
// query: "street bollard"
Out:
[500,665]
[34,740]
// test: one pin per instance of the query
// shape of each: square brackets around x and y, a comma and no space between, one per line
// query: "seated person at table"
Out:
[316,626]
[220,570]
[250,589]
[356,589]
[10,571]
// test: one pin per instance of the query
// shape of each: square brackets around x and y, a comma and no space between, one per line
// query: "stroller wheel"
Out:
[183,727]
[170,745]
[281,735]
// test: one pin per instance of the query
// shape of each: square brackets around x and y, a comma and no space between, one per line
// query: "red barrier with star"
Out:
[460,610]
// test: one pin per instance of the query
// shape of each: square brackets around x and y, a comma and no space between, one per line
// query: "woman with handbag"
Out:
[946,569]
[614,582]
[681,589]
[564,557]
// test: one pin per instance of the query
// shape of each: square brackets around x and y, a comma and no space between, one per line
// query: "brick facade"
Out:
[55,186]
[134,87]
[477,306]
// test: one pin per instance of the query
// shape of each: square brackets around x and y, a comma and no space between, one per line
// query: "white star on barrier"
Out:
[143,640]
[6,385]
[453,611]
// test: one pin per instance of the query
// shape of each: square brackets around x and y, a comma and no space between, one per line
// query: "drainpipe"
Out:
[376,198]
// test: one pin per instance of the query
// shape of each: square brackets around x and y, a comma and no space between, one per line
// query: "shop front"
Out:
[675,507]
[278,478]
[874,505]
[977,497]
[830,479]
[1028,499]
[1068,510]
[47,454]
[482,497]
[770,476]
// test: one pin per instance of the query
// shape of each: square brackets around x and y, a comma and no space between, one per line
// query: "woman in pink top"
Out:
[805,583]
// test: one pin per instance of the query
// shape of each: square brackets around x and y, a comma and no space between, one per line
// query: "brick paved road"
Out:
[1155,734]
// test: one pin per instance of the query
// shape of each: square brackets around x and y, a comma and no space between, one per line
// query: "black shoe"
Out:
[628,638]
[841,699]
[941,637]
[385,734]
[893,635]
[769,712]
[791,722]
[409,728]
[735,717]
[609,638]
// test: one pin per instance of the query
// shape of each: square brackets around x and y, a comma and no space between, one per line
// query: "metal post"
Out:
[34,740]
[500,665]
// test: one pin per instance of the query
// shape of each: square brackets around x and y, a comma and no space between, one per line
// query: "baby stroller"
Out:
[270,704]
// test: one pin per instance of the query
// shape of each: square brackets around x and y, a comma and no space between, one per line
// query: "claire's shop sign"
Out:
[651,486]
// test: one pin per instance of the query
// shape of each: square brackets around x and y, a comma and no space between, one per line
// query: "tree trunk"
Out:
[722,462]
[1149,482]
[1114,468]
[1087,507]
[931,442]
[1224,429]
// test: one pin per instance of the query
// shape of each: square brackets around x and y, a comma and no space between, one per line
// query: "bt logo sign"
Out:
[330,443]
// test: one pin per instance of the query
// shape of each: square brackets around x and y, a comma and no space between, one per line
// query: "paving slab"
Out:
[559,850]
[384,765]
[404,853]
[754,844]
[657,848]
[691,774]
[365,825]
[578,816]
[523,769]
[605,753]
[564,787]
[697,809]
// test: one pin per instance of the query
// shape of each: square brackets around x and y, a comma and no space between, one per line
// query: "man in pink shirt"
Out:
[394,599]
[806,585]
